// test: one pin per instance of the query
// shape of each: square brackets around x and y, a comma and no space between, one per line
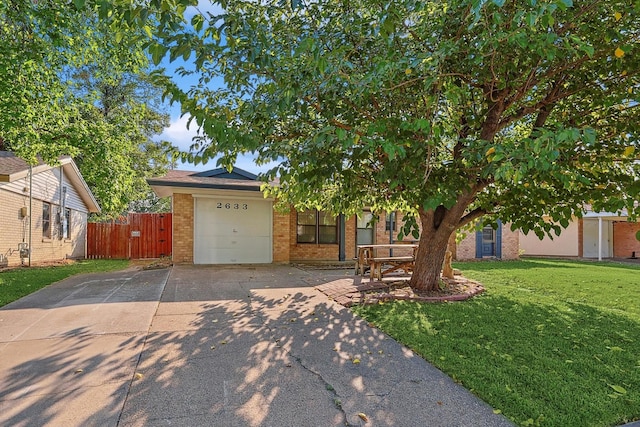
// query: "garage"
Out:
[232,230]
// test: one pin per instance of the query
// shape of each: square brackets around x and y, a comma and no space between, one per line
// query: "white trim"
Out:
[605,215]
[76,179]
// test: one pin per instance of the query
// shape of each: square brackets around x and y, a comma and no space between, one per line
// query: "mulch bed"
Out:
[349,292]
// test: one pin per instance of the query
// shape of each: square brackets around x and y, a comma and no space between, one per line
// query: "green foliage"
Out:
[75,84]
[550,343]
[512,109]
[18,282]
[120,155]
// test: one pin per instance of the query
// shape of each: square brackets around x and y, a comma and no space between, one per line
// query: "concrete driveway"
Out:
[213,346]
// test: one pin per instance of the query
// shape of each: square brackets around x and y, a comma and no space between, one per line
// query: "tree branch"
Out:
[346,127]
[472,216]
[491,124]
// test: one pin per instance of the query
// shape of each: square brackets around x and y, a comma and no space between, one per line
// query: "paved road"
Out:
[213,346]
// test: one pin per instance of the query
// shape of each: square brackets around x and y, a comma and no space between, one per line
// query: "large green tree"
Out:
[453,111]
[123,114]
[38,40]
[73,82]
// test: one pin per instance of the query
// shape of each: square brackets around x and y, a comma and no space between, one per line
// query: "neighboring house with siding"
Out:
[596,235]
[42,208]
[222,217]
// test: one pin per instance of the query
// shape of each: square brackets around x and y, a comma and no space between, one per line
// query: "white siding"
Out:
[46,187]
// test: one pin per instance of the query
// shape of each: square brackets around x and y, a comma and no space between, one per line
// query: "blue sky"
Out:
[177,132]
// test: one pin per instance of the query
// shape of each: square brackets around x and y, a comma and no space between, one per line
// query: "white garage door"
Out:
[232,231]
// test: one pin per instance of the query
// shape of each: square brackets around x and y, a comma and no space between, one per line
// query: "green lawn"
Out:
[550,343]
[18,282]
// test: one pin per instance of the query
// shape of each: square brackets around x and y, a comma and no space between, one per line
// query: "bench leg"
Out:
[377,271]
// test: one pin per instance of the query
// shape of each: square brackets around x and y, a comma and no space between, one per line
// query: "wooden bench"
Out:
[395,263]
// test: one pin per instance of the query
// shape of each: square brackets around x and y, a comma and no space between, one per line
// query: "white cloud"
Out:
[181,137]
[204,7]
[178,134]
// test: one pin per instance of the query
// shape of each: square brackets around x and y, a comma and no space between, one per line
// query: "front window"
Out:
[307,226]
[46,220]
[364,229]
[316,227]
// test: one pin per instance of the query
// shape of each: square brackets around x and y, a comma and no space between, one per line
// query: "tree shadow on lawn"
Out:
[570,364]
[237,348]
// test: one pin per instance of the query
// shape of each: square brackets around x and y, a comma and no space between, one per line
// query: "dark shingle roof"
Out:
[11,165]
[237,179]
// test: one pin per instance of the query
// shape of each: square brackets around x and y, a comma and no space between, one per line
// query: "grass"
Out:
[18,282]
[550,343]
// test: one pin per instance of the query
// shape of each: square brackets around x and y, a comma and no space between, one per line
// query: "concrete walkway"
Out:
[213,346]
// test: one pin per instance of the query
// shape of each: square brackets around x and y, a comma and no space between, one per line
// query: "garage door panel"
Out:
[232,231]
[233,253]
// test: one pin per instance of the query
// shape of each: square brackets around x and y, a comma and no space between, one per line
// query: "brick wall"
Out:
[624,239]
[287,249]
[466,248]
[510,242]
[281,237]
[15,230]
[183,223]
[382,236]
[580,237]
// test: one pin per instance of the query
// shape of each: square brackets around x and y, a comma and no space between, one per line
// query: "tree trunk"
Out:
[434,239]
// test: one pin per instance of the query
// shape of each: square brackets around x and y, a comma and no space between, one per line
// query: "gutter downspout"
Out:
[342,242]
[60,212]
[392,228]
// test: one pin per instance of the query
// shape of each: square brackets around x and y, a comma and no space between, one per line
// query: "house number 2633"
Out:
[242,206]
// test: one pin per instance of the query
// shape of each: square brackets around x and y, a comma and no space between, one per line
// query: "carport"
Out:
[598,235]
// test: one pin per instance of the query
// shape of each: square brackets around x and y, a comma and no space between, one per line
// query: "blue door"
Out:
[489,242]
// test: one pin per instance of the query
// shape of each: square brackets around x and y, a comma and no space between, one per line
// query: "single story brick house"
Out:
[596,235]
[492,243]
[221,217]
[43,211]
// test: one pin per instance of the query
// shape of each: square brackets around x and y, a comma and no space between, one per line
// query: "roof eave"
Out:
[81,186]
[165,188]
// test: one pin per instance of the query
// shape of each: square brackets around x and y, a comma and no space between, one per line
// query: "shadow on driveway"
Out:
[213,345]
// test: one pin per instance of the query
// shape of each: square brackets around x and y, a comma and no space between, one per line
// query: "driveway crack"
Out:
[337,400]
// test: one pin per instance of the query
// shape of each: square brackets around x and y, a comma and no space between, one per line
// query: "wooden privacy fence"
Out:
[143,235]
